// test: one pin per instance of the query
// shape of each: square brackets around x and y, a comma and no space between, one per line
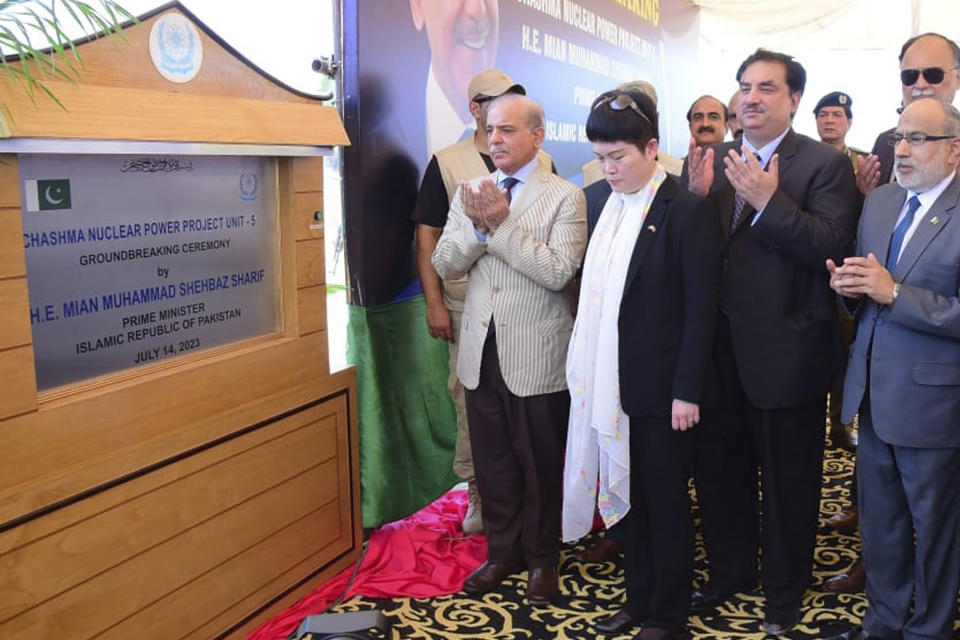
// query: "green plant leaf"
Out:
[57,57]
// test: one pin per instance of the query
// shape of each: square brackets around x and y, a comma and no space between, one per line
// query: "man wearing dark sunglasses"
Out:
[786,204]
[929,68]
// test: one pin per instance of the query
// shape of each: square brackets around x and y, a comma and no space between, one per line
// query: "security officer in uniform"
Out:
[465,160]
[834,117]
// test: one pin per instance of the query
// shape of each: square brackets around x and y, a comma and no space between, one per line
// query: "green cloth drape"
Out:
[407,422]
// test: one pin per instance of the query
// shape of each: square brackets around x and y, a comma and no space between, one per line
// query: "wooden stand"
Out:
[198,496]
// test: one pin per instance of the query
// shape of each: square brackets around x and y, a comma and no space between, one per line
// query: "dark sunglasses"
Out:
[619,102]
[933,75]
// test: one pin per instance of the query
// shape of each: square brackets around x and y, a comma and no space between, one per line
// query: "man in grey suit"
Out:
[520,233]
[903,376]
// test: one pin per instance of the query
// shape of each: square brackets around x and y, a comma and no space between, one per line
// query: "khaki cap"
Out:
[492,83]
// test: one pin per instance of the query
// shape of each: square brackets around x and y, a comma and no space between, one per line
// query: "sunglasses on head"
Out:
[619,102]
[933,75]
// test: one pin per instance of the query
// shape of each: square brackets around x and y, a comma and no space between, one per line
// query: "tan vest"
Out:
[458,163]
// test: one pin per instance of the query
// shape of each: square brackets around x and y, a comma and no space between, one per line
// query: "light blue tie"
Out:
[896,240]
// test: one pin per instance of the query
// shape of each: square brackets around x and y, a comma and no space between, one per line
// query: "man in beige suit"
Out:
[520,234]
[467,159]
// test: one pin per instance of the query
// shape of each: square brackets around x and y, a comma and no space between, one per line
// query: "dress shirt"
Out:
[927,198]
[522,175]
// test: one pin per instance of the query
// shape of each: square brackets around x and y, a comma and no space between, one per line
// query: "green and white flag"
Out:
[47,195]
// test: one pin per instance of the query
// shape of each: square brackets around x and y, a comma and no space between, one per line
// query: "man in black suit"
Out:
[929,67]
[787,203]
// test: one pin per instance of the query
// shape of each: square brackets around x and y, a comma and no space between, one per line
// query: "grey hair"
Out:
[534,112]
[951,123]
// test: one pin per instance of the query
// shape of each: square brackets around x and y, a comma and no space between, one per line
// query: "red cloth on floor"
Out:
[421,556]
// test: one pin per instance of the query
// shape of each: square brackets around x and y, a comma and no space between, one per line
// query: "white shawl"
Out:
[598,438]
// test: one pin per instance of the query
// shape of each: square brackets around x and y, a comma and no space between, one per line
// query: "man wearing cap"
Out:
[707,118]
[834,116]
[671,164]
[520,233]
[449,167]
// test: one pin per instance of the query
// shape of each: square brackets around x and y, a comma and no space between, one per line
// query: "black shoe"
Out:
[617,623]
[857,633]
[842,436]
[777,622]
[658,633]
[709,597]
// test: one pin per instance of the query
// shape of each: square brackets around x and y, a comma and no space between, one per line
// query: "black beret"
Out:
[835,99]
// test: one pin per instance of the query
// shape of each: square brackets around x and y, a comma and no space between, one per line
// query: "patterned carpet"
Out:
[590,591]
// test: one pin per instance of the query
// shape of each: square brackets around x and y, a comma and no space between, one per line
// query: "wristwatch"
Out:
[894,293]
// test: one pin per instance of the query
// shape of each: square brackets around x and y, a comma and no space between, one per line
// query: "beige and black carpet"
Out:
[591,591]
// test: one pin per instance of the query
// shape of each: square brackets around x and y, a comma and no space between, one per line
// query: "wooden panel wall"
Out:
[192,545]
[307,187]
[18,391]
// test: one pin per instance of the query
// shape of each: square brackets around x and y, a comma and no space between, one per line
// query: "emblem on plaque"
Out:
[248,186]
[175,48]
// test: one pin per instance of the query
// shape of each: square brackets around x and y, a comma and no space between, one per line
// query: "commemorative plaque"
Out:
[135,259]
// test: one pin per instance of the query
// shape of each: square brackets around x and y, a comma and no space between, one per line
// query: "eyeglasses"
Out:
[619,102]
[933,75]
[914,138]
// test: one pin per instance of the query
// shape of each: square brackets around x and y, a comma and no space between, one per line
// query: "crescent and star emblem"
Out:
[49,196]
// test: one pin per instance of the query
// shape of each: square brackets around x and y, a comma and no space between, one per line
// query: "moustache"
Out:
[497,149]
[471,29]
[706,129]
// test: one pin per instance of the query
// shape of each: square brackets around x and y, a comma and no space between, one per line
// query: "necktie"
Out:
[508,184]
[739,204]
[896,240]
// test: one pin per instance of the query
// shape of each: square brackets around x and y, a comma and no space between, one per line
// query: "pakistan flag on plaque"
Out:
[47,195]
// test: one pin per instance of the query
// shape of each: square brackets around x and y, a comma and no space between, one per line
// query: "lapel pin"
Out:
[652,228]
[935,220]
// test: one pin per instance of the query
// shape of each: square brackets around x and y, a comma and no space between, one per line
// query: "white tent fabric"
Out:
[760,17]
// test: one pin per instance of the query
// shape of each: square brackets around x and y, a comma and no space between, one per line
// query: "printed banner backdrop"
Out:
[408,64]
[136,259]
